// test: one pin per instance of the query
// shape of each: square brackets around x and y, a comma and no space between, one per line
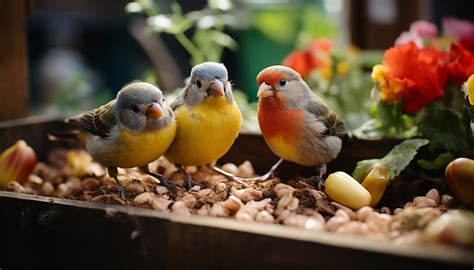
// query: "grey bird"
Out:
[132,130]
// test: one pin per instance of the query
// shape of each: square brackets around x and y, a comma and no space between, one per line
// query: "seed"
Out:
[345,190]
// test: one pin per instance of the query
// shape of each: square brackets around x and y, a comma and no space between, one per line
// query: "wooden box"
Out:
[43,233]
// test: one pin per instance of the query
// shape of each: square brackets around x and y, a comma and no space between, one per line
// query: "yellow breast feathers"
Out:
[140,149]
[205,132]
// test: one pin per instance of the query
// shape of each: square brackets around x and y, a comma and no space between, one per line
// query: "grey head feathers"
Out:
[209,71]
[204,78]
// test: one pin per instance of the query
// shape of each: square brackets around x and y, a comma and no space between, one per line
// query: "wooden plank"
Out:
[13,60]
[59,233]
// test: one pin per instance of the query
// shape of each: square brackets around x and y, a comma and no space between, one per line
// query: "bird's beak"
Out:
[217,87]
[154,111]
[265,90]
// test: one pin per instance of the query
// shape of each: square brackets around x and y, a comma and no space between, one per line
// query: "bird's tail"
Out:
[66,135]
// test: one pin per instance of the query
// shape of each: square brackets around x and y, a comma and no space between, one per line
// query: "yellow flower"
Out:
[326,72]
[470,89]
[389,87]
[342,68]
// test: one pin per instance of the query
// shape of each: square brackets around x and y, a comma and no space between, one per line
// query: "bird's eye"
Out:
[199,84]
[163,100]
[134,108]
[282,82]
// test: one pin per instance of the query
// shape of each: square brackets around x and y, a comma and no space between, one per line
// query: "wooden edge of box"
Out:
[444,254]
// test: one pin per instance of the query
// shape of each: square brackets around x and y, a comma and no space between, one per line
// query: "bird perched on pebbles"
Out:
[208,119]
[297,125]
[132,130]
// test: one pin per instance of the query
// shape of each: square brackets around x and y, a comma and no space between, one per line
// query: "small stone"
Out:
[354,228]
[446,199]
[144,198]
[189,200]
[245,170]
[264,217]
[434,195]
[35,179]
[47,188]
[161,190]
[335,222]
[293,205]
[204,210]
[422,202]
[282,189]
[232,204]
[314,224]
[161,203]
[363,213]
[230,168]
[247,194]
[180,207]
[218,210]
[285,201]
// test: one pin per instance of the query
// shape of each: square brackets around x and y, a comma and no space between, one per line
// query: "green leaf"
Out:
[440,162]
[446,130]
[396,160]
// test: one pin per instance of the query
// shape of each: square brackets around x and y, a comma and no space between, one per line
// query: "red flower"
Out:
[420,72]
[302,61]
[322,44]
[461,64]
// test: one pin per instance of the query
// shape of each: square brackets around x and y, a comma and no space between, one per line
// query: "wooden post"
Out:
[13,60]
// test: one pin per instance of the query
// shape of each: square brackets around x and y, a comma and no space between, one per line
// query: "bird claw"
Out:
[121,190]
[189,182]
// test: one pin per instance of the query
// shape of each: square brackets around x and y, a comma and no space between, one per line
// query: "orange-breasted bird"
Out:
[208,119]
[132,130]
[297,125]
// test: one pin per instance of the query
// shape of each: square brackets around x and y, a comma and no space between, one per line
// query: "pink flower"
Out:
[461,30]
[458,29]
[419,31]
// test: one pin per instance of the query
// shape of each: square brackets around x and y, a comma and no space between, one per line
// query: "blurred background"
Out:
[62,57]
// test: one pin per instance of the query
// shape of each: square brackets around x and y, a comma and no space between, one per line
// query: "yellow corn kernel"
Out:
[375,182]
[344,189]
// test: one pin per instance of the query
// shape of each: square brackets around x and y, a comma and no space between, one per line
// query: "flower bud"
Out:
[375,182]
[16,163]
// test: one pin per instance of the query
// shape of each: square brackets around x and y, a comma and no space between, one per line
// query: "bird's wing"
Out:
[335,126]
[179,101]
[99,121]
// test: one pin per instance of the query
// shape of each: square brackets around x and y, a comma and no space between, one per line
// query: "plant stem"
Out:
[196,55]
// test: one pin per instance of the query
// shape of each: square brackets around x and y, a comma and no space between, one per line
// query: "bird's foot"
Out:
[241,180]
[121,190]
[164,181]
[189,181]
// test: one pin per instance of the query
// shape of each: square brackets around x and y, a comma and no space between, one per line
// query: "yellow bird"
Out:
[208,119]
[132,130]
